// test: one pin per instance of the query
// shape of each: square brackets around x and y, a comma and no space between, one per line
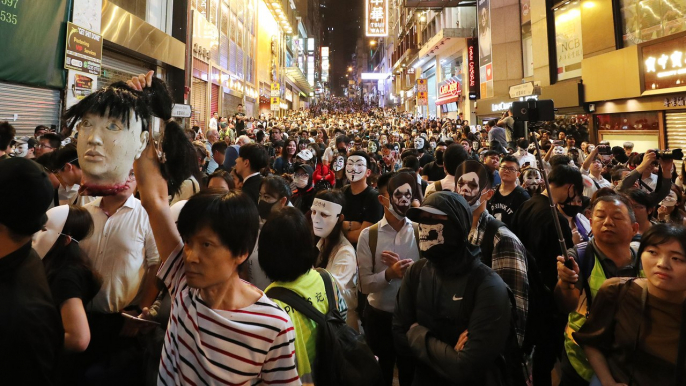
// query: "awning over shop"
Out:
[445,100]
[298,78]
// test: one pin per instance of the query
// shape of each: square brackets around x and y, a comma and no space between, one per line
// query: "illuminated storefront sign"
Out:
[473,68]
[664,64]
[376,17]
[325,64]
[375,76]
[449,91]
[431,3]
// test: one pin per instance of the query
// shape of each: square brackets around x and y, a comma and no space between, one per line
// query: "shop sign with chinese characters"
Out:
[376,16]
[664,64]
[675,101]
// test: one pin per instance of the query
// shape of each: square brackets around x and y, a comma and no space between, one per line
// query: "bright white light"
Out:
[375,76]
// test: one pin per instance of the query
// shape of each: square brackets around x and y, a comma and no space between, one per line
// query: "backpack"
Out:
[343,357]
[537,287]
[512,364]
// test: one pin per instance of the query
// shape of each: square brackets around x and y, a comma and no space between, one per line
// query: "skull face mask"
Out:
[356,168]
[559,150]
[430,235]
[325,216]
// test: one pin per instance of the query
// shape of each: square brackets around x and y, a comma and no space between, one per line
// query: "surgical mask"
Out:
[475,205]
[571,210]
[264,209]
[393,212]
[301,181]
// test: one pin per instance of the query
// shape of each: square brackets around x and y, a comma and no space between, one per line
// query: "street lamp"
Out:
[350,69]
[372,43]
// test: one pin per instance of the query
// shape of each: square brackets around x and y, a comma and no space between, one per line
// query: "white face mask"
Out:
[44,240]
[301,182]
[21,150]
[419,143]
[356,168]
[559,150]
[325,216]
[338,164]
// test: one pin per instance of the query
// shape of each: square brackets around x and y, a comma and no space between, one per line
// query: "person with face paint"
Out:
[73,283]
[303,195]
[508,197]
[362,207]
[382,270]
[565,183]
[336,254]
[449,346]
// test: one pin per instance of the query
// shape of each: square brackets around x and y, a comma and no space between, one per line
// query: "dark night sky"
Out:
[345,16]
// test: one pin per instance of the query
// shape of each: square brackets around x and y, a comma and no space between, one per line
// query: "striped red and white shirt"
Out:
[204,346]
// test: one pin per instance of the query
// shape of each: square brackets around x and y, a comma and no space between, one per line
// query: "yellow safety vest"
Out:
[577,318]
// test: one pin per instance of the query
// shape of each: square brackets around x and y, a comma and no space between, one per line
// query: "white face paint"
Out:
[430,235]
[325,216]
[107,149]
[356,168]
[419,143]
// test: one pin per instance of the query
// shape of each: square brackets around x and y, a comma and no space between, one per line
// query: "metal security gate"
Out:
[675,125]
[33,106]
[116,68]
[214,102]
[199,103]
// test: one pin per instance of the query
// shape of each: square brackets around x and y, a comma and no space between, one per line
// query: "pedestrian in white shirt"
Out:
[592,168]
[384,251]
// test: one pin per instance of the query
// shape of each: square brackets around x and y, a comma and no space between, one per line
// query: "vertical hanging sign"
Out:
[485,49]
[473,68]
[422,92]
[376,17]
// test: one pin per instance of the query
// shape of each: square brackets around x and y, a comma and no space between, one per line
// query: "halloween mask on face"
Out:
[471,179]
[400,191]
[338,163]
[356,168]
[532,181]
[419,143]
[325,216]
[559,150]
[44,239]
[371,147]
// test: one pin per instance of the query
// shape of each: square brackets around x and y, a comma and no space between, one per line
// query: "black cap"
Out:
[445,203]
[26,194]
[306,168]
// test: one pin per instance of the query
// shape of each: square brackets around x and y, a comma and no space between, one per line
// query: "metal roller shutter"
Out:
[214,102]
[199,102]
[675,124]
[117,69]
[33,106]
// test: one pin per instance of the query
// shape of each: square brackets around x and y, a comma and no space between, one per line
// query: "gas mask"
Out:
[325,216]
[356,168]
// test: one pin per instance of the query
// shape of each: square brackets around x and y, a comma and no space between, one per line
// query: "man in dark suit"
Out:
[251,159]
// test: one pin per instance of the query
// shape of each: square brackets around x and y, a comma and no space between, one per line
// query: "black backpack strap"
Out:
[414,277]
[586,255]
[298,303]
[330,291]
[487,243]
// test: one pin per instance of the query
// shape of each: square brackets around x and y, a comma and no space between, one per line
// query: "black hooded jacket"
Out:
[435,307]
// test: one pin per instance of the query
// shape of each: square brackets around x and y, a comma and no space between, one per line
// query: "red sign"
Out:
[450,88]
[473,68]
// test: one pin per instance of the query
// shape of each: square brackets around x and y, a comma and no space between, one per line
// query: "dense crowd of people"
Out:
[430,243]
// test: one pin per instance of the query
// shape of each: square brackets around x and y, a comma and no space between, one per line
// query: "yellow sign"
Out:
[276,90]
[422,85]
[275,104]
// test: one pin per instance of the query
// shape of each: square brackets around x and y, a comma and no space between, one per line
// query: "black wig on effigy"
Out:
[119,101]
